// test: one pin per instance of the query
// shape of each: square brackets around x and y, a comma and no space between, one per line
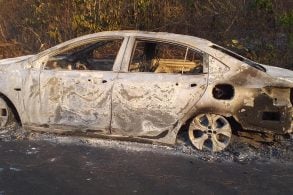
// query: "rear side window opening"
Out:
[164,57]
[239,57]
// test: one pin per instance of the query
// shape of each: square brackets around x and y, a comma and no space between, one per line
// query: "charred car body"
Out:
[145,86]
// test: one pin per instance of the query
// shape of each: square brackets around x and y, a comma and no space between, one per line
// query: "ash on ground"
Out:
[240,150]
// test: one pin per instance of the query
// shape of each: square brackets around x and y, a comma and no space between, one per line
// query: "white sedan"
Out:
[145,86]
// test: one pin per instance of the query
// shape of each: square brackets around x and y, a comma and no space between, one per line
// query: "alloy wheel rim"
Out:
[210,131]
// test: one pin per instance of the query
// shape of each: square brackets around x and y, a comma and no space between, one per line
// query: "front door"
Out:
[78,100]
[76,87]
[163,82]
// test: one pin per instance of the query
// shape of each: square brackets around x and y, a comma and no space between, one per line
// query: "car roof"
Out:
[199,43]
[144,34]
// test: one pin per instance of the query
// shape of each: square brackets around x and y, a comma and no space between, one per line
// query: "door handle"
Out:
[104,81]
[193,85]
[17,89]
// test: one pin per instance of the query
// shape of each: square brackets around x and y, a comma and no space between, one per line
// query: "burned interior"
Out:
[145,86]
[164,57]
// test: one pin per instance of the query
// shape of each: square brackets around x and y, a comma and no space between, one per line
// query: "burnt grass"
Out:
[240,150]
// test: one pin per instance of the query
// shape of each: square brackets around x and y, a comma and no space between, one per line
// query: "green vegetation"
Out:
[259,29]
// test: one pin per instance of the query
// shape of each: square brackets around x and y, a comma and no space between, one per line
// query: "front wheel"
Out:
[210,131]
[6,115]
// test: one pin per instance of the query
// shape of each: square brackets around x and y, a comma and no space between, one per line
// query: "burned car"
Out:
[145,86]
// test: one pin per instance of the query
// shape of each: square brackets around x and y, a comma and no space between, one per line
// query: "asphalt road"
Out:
[41,167]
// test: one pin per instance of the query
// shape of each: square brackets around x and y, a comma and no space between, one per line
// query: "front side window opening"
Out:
[99,56]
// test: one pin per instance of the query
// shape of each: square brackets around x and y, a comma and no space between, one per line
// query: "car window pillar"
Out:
[118,64]
[128,54]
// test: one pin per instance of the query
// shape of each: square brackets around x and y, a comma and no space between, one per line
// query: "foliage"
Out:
[266,5]
[259,29]
[287,19]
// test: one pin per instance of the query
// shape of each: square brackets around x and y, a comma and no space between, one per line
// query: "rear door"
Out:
[161,82]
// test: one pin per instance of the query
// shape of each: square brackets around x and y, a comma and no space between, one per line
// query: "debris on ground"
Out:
[243,149]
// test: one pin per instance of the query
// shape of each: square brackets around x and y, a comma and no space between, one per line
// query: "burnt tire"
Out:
[210,131]
[6,115]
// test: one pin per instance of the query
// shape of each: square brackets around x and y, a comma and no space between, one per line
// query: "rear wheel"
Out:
[210,131]
[6,115]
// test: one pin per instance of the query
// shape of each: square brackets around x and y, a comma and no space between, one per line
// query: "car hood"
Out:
[14,60]
[280,73]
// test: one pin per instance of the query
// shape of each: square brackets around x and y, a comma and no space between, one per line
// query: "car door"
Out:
[161,82]
[76,86]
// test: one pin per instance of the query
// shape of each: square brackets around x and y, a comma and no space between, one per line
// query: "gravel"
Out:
[238,151]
